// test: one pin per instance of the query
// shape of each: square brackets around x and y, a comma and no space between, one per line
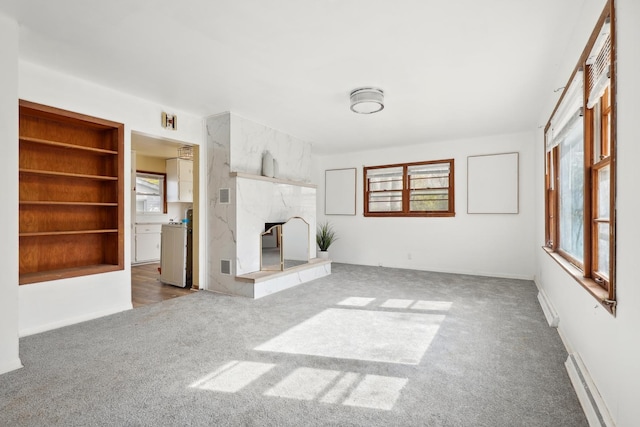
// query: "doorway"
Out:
[154,203]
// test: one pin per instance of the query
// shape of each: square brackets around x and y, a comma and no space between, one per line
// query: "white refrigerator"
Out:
[173,255]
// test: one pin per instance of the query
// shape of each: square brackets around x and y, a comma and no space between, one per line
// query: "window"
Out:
[150,193]
[410,189]
[580,169]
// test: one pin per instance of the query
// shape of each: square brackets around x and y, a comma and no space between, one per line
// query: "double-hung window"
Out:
[410,189]
[580,169]
[150,193]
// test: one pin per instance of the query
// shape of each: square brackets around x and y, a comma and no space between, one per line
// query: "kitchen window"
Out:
[410,189]
[151,193]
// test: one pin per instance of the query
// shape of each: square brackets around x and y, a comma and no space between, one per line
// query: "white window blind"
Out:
[599,66]
[569,113]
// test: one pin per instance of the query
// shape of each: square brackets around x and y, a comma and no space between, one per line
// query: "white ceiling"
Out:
[449,69]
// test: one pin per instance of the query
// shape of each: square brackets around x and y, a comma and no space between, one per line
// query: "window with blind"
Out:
[580,169]
[150,193]
[410,189]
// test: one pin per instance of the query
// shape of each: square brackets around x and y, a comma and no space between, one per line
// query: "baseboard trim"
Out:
[550,313]
[592,403]
[8,366]
[72,321]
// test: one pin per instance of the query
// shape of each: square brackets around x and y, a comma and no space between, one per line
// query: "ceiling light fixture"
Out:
[367,100]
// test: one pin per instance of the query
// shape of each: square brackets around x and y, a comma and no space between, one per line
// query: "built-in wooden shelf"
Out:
[54,203]
[274,180]
[71,192]
[65,145]
[67,174]
[69,232]
[64,273]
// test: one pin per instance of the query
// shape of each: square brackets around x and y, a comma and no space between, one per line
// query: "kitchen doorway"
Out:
[164,178]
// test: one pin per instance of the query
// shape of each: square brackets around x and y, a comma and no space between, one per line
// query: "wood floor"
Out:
[146,287]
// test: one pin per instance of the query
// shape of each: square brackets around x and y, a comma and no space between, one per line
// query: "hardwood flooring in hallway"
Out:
[146,287]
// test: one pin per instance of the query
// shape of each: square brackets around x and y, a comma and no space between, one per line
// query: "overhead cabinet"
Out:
[71,194]
[180,180]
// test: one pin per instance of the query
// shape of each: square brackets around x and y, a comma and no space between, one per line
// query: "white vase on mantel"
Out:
[323,254]
[267,164]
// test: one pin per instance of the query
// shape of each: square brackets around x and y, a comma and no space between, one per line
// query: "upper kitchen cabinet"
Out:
[71,194]
[179,180]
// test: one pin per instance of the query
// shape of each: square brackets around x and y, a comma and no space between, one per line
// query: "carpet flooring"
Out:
[365,346]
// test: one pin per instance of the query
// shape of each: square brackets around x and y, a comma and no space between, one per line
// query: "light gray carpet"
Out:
[467,351]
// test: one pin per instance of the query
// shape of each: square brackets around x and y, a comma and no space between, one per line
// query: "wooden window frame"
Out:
[406,191]
[600,151]
[164,191]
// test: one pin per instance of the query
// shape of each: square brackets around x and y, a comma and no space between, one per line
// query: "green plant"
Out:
[325,236]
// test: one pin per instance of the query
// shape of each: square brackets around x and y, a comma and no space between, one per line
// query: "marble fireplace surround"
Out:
[235,146]
[262,200]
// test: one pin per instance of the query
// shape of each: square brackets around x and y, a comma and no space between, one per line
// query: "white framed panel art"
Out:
[340,191]
[492,184]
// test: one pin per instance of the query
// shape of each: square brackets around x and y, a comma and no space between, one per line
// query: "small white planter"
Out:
[323,254]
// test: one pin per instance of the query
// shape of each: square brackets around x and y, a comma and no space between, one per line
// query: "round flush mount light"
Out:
[367,100]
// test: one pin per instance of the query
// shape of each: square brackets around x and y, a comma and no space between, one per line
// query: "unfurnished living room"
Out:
[342,213]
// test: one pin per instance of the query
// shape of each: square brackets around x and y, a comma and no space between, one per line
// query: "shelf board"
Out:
[68,175]
[44,276]
[67,145]
[274,180]
[60,203]
[68,232]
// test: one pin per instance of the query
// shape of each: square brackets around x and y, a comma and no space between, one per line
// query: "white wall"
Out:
[48,305]
[9,358]
[482,244]
[609,347]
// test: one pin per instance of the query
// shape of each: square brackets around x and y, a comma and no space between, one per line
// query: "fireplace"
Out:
[284,244]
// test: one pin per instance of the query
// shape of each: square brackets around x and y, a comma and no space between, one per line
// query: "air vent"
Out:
[225,266]
[225,196]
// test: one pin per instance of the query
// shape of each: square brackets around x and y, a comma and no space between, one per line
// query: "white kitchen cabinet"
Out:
[147,242]
[179,180]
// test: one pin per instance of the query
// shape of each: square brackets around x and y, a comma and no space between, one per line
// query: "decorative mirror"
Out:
[284,245]
[271,249]
[295,242]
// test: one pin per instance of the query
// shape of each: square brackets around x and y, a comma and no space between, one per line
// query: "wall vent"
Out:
[225,266]
[225,196]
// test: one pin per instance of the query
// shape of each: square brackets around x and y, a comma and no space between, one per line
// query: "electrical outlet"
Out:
[409,255]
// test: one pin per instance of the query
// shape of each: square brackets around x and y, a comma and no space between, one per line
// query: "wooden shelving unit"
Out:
[71,194]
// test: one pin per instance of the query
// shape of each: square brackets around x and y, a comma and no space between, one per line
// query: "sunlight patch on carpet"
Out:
[397,303]
[233,376]
[404,304]
[356,301]
[303,384]
[432,305]
[336,387]
[376,391]
[379,336]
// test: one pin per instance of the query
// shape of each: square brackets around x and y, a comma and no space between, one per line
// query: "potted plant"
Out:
[325,236]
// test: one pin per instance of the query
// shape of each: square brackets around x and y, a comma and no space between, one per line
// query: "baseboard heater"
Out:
[592,403]
[549,311]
